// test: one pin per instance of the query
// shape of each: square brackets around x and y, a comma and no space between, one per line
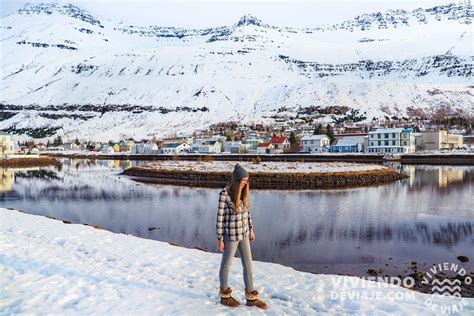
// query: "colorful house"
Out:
[126,145]
[436,140]
[252,141]
[264,148]
[107,150]
[314,143]
[233,147]
[207,147]
[280,144]
[175,148]
[391,140]
[349,143]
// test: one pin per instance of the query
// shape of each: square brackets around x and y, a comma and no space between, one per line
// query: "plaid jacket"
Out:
[230,223]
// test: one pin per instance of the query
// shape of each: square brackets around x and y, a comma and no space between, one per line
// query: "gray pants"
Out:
[230,247]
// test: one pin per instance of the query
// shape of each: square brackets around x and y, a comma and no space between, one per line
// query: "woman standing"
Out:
[235,230]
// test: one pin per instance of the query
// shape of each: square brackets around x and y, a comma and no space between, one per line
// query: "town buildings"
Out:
[391,140]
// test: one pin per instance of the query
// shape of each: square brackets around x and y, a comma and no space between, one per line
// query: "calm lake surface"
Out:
[428,218]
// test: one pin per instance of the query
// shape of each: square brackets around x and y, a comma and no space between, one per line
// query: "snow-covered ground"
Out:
[50,267]
[267,166]
[445,152]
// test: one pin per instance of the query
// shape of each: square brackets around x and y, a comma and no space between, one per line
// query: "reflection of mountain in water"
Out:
[409,220]
[37,174]
[447,234]
[81,186]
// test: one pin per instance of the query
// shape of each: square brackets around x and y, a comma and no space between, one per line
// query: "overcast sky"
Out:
[186,13]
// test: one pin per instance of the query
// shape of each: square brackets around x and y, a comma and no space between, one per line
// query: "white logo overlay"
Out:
[437,277]
[366,289]
[443,286]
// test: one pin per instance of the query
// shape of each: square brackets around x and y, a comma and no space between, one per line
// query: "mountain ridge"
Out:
[99,78]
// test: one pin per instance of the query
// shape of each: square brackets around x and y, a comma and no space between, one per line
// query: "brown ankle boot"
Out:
[227,299]
[252,299]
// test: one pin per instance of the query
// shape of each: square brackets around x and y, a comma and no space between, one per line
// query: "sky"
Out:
[209,13]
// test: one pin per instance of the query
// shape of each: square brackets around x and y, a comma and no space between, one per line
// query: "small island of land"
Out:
[23,161]
[265,175]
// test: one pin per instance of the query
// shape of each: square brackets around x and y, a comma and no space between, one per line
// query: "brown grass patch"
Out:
[41,161]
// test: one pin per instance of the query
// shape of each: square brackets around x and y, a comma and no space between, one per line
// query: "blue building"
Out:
[348,144]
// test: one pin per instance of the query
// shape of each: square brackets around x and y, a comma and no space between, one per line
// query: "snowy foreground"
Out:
[50,267]
[267,166]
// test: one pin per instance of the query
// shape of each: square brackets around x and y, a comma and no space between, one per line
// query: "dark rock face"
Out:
[45,45]
[249,19]
[101,108]
[395,18]
[67,9]
[445,65]
[463,13]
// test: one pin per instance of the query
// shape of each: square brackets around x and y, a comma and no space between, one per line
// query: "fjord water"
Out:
[427,219]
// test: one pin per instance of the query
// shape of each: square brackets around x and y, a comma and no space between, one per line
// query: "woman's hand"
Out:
[252,235]
[220,245]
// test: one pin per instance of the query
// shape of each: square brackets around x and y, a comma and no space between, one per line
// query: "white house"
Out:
[55,148]
[233,147]
[207,147]
[314,143]
[150,149]
[280,144]
[264,148]
[145,148]
[175,148]
[391,140]
[185,137]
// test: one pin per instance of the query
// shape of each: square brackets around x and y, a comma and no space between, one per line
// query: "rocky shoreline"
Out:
[268,180]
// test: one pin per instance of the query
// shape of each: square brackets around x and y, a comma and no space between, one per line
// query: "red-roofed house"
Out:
[280,144]
[264,148]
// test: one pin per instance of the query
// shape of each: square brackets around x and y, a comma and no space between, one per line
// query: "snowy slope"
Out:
[49,267]
[63,68]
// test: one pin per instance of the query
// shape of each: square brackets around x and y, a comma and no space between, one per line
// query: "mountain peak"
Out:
[249,19]
[59,7]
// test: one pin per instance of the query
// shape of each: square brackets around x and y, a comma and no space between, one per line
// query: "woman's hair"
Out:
[236,194]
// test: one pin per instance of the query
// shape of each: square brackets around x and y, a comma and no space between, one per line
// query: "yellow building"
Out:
[6,145]
[433,140]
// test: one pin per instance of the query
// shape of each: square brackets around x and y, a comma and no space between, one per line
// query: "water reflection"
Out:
[442,176]
[427,218]
[6,179]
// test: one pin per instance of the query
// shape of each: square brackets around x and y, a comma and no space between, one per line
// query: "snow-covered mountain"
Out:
[65,71]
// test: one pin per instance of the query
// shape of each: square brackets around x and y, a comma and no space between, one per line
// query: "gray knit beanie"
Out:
[239,172]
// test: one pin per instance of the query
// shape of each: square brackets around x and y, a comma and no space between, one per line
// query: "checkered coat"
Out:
[235,225]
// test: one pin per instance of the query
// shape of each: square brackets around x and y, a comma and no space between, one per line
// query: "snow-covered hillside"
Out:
[63,68]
